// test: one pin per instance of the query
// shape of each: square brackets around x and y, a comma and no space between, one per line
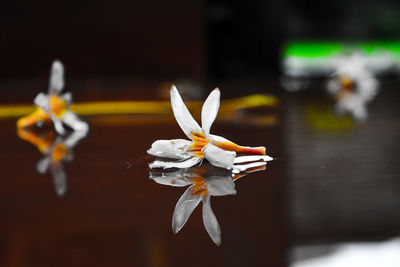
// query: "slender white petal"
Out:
[59,180]
[179,164]
[209,110]
[174,149]
[220,185]
[56,83]
[57,125]
[219,157]
[43,165]
[73,139]
[243,159]
[182,114]
[43,102]
[244,167]
[210,221]
[67,97]
[73,121]
[184,208]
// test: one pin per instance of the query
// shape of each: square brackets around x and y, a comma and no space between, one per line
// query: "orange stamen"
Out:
[199,142]
[199,187]
[32,118]
[57,106]
[59,152]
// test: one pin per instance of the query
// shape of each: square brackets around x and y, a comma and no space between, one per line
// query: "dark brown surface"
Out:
[114,215]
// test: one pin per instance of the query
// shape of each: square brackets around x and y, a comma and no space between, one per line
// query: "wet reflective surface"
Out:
[331,182]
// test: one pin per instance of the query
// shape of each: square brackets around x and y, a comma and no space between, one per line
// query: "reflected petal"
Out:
[244,167]
[175,149]
[176,178]
[220,185]
[73,121]
[210,221]
[43,165]
[219,157]
[56,83]
[209,110]
[182,114]
[178,164]
[184,208]
[59,180]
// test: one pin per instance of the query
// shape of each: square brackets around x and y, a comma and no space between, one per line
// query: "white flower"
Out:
[56,105]
[218,182]
[353,86]
[216,149]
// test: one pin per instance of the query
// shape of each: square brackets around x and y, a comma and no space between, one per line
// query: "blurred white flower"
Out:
[216,149]
[55,104]
[353,86]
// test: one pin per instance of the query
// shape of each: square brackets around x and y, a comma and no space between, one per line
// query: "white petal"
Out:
[219,157]
[178,164]
[184,208]
[43,165]
[220,185]
[210,221]
[242,159]
[174,149]
[57,125]
[42,101]
[56,83]
[175,178]
[244,167]
[73,139]
[182,114]
[67,97]
[210,110]
[59,180]
[73,121]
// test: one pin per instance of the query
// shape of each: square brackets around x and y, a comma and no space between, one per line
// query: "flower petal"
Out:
[243,159]
[244,167]
[43,165]
[174,178]
[225,144]
[57,125]
[179,164]
[182,114]
[183,209]
[174,149]
[59,180]
[219,157]
[73,121]
[210,221]
[209,110]
[220,185]
[56,83]
[67,97]
[43,102]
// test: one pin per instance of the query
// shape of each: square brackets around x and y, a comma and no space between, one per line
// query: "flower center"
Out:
[57,106]
[199,187]
[199,142]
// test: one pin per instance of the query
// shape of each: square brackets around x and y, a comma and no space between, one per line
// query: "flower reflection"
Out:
[203,145]
[54,106]
[56,149]
[203,182]
[353,86]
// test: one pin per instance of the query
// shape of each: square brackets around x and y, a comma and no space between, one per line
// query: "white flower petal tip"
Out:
[56,83]
[243,159]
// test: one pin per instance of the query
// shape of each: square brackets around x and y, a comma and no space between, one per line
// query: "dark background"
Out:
[201,40]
